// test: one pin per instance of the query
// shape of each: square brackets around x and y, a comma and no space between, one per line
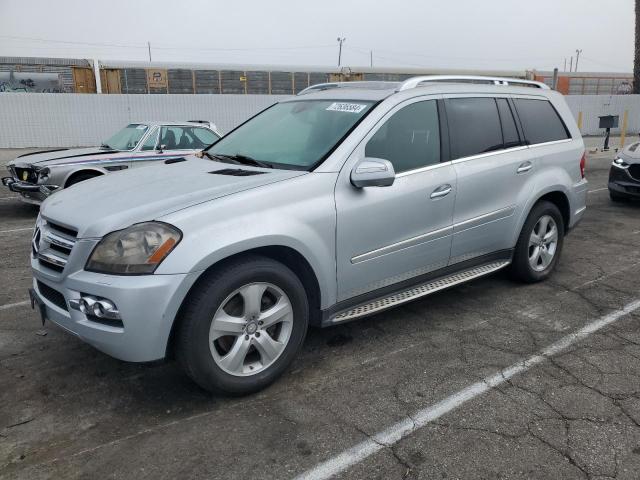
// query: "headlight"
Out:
[620,163]
[136,250]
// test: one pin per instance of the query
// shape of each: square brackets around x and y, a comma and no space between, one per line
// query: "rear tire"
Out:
[539,244]
[248,316]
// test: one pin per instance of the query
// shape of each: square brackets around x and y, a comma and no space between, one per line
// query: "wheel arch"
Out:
[556,195]
[286,255]
[93,171]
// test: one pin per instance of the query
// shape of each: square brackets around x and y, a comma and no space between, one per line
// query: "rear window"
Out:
[540,121]
[474,126]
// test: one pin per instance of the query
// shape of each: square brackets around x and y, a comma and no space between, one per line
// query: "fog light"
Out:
[96,307]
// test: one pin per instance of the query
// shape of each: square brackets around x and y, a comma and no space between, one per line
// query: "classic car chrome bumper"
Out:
[26,187]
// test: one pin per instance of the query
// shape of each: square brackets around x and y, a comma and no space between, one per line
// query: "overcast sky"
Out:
[474,34]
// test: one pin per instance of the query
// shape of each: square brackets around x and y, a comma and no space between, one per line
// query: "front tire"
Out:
[242,326]
[539,244]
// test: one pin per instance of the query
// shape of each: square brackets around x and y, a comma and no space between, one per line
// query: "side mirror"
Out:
[373,172]
[161,148]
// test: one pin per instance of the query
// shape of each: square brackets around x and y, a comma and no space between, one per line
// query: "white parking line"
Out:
[598,190]
[13,305]
[16,230]
[421,418]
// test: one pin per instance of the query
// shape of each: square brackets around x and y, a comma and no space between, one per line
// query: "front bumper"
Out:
[148,305]
[34,193]
[622,183]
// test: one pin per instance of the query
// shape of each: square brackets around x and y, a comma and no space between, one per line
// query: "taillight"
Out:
[583,163]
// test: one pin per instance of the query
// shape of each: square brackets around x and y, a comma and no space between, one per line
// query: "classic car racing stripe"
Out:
[119,159]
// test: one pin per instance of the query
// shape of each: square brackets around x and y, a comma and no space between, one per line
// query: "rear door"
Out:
[494,170]
[386,235]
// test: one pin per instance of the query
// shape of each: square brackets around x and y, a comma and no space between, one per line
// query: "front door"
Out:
[386,235]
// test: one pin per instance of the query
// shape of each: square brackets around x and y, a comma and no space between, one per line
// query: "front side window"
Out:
[297,134]
[540,121]
[474,126]
[127,138]
[410,139]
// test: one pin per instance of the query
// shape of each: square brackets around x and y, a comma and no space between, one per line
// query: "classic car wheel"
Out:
[242,326]
[81,177]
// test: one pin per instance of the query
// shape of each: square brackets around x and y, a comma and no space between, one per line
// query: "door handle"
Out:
[441,191]
[524,167]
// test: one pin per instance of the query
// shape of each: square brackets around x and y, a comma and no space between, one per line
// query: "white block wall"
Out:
[69,120]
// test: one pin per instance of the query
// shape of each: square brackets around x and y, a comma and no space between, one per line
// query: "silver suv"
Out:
[330,206]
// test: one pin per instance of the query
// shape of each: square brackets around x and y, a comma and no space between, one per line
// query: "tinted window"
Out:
[509,130]
[410,139]
[474,126]
[540,121]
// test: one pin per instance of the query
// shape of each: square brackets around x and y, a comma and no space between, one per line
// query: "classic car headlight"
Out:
[136,250]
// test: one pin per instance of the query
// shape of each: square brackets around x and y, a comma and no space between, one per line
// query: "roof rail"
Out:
[414,82]
[374,84]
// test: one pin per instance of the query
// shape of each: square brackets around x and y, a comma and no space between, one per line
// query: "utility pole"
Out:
[578,52]
[371,58]
[341,40]
[565,64]
[571,64]
[149,47]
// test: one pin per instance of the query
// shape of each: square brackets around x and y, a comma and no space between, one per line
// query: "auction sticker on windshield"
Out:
[346,107]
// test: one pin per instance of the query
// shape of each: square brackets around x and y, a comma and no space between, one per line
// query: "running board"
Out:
[419,291]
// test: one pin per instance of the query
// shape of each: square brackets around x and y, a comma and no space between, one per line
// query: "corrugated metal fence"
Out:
[65,120]
[69,120]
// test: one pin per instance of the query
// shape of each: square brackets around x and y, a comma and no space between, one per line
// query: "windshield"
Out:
[127,138]
[295,135]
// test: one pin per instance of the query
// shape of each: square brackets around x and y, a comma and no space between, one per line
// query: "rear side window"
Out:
[474,126]
[410,139]
[509,130]
[540,121]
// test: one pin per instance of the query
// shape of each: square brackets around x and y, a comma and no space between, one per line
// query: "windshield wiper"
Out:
[241,159]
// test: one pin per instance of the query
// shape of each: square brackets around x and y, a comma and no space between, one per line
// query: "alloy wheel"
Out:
[543,243]
[251,329]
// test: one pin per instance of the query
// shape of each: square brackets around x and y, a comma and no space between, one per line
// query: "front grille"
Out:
[52,244]
[26,174]
[634,171]
[52,295]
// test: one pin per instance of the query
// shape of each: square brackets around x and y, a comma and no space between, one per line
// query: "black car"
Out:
[624,176]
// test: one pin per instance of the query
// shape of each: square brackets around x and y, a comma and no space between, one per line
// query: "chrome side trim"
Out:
[418,292]
[486,218]
[424,169]
[409,242]
[554,142]
[579,211]
[490,154]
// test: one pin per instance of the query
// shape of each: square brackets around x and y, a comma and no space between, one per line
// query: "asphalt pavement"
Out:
[488,380]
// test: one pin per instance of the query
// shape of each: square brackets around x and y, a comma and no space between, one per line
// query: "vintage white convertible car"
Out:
[35,176]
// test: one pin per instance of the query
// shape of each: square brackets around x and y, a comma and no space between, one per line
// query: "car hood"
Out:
[115,201]
[51,157]
[631,154]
